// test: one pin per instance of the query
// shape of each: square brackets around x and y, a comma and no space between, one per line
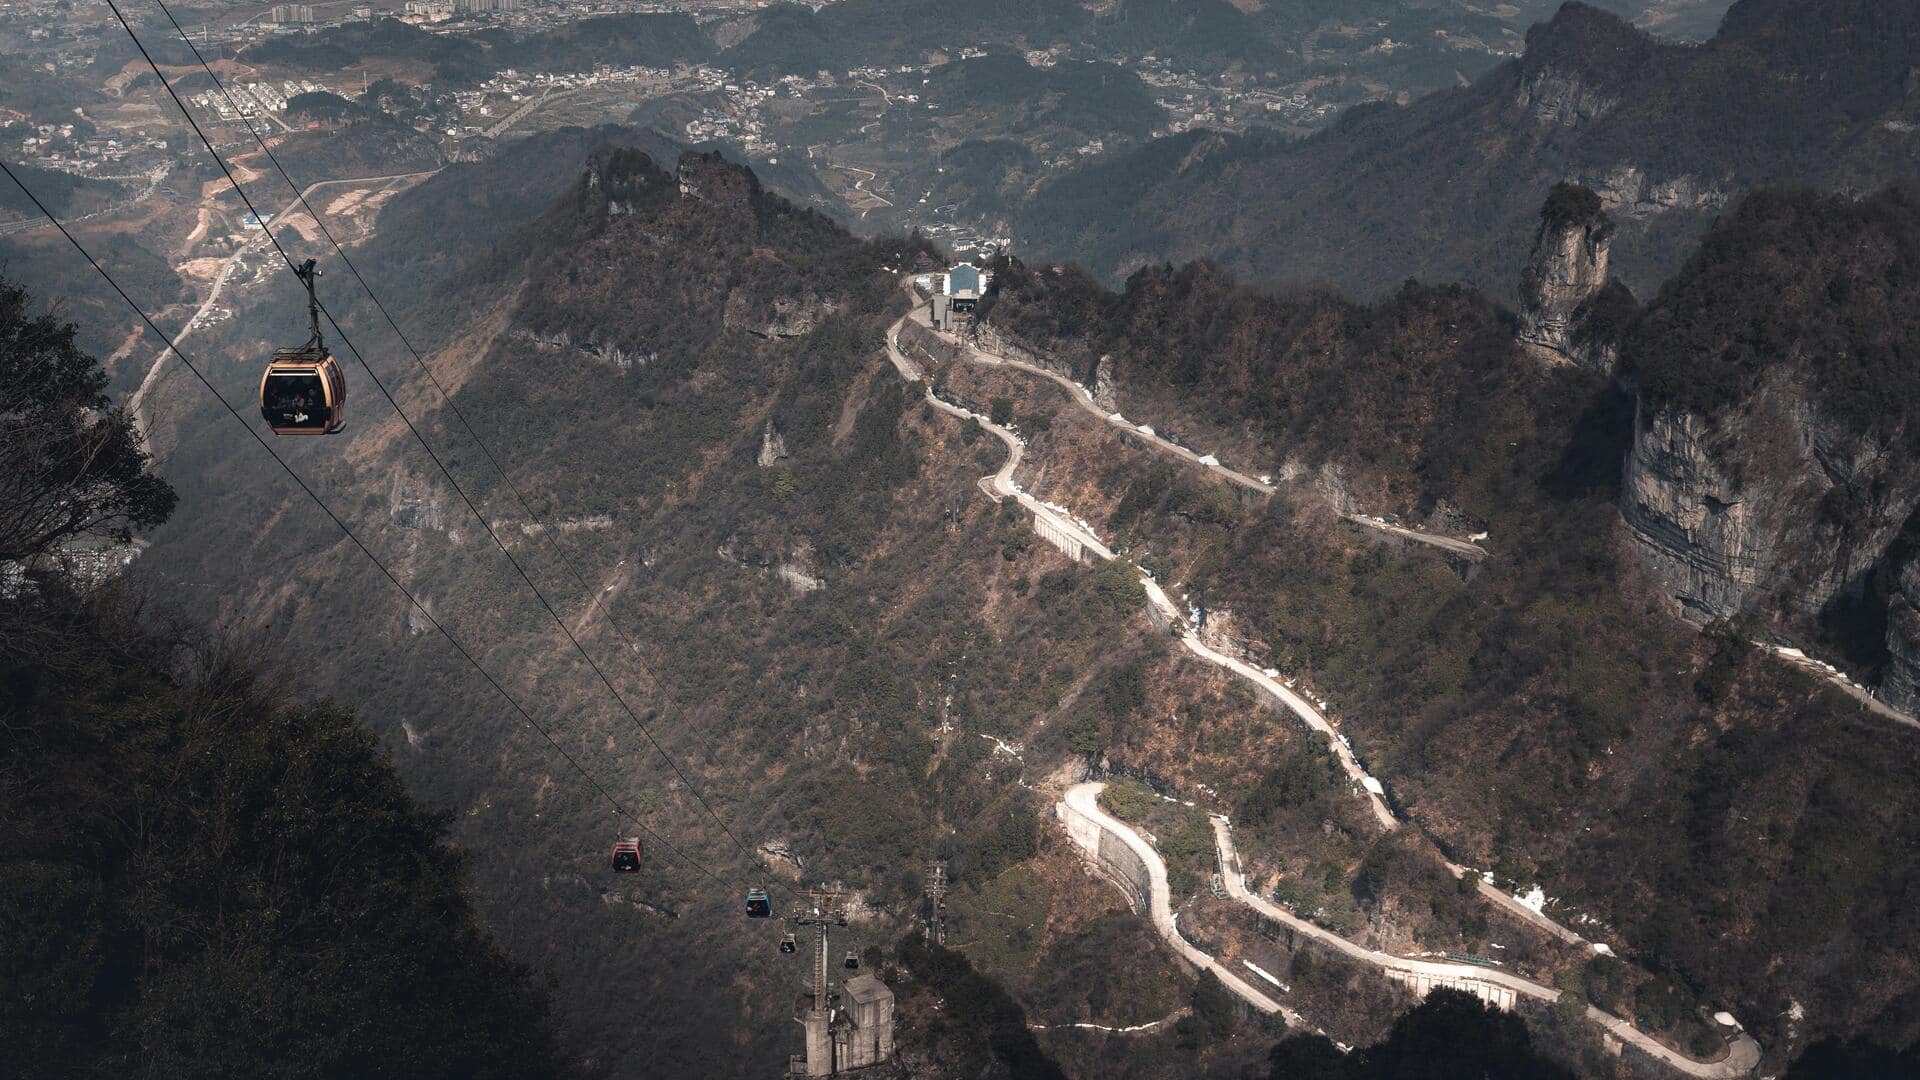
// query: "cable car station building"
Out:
[960,291]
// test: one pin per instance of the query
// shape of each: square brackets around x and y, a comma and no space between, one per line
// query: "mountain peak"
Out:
[713,179]
[617,180]
[1589,42]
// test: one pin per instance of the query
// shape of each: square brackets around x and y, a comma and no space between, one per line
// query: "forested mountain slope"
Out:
[1772,475]
[1544,714]
[1446,188]
[205,871]
[823,643]
[858,663]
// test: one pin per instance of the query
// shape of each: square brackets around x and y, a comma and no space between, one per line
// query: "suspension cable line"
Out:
[486,525]
[619,809]
[550,533]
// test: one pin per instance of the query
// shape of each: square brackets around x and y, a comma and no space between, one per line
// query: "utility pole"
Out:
[936,903]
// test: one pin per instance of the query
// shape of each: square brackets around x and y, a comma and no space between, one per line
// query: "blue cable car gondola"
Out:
[759,904]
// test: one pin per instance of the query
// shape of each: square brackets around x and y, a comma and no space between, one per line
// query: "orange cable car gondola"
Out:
[626,856]
[303,391]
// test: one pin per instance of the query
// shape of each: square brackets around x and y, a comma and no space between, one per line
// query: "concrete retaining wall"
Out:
[1072,547]
[1422,983]
[1110,856]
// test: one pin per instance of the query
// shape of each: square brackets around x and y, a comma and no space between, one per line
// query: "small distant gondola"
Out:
[788,944]
[303,391]
[626,856]
[759,904]
[853,962]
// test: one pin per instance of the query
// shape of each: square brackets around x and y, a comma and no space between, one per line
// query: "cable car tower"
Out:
[848,1031]
[824,917]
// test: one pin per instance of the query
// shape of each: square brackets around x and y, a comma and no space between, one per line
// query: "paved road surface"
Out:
[1847,686]
[1082,798]
[1743,1054]
[1084,399]
[520,113]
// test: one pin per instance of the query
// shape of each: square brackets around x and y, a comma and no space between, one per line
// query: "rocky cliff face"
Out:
[783,317]
[1627,190]
[1563,99]
[773,446]
[1772,469]
[1738,514]
[1563,310]
[1900,686]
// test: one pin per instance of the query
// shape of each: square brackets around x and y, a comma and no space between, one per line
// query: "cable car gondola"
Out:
[853,962]
[759,904]
[303,391]
[626,856]
[787,944]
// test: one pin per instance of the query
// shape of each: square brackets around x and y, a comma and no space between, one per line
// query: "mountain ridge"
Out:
[1447,187]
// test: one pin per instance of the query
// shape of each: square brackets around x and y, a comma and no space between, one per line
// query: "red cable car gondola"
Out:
[626,856]
[303,391]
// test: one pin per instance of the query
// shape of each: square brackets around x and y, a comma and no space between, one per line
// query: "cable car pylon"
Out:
[824,917]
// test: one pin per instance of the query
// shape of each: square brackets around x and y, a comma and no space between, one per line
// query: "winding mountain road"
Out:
[1084,399]
[1500,987]
[1082,799]
[1743,1052]
[1002,484]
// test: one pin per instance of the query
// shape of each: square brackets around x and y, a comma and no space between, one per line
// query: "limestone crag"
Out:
[1733,515]
[1102,389]
[1900,685]
[773,445]
[1563,99]
[786,316]
[1626,190]
[1567,271]
[416,503]
[989,338]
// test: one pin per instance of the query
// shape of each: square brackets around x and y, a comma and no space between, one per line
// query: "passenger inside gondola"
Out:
[296,400]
